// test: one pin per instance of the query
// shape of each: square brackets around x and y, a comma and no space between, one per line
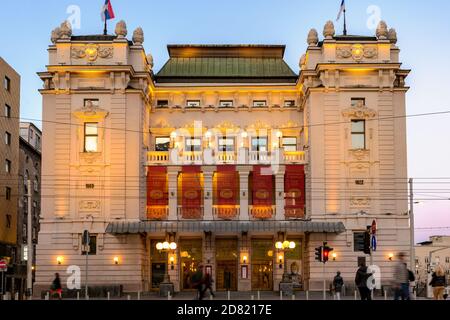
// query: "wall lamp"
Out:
[116,260]
[390,256]
[59,260]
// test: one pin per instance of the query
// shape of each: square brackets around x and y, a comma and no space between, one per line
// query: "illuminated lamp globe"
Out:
[286,244]
[292,245]
[279,245]
[173,246]
[166,245]
[159,246]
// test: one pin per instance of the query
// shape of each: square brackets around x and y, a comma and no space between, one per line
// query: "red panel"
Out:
[227,186]
[294,188]
[157,188]
[262,186]
[191,192]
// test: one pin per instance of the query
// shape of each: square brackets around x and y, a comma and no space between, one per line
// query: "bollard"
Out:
[281,295]
[16,296]
[169,296]
[293,297]
[307,295]
[139,295]
[356,295]
[128,297]
[108,295]
[78,295]
[229,295]
[252,297]
[211,297]
[47,296]
[259,295]
[385,295]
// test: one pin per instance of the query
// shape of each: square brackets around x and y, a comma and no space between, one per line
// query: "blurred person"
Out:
[338,283]
[438,282]
[56,287]
[361,280]
[198,282]
[208,284]
[401,279]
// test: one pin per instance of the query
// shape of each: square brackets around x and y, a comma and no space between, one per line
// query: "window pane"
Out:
[226,144]
[290,148]
[259,103]
[193,103]
[226,104]
[358,141]
[289,103]
[358,126]
[259,144]
[194,144]
[162,103]
[91,144]
[290,141]
[91,128]
[7,111]
[91,102]
[162,144]
[356,102]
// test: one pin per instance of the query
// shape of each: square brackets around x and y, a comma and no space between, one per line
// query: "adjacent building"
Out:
[9,166]
[217,157]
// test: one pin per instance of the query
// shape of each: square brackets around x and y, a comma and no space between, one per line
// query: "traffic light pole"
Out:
[324,282]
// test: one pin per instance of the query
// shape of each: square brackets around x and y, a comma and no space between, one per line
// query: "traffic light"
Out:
[326,252]
[367,242]
[319,251]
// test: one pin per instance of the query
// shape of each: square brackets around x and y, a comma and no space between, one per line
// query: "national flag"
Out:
[107,11]
[341,10]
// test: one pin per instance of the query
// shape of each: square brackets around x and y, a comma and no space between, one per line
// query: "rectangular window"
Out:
[193,103]
[259,103]
[358,134]
[92,246]
[193,144]
[8,221]
[162,103]
[7,138]
[289,144]
[358,102]
[259,144]
[7,84]
[289,103]
[358,241]
[7,111]
[91,137]
[447,260]
[91,103]
[226,144]
[8,193]
[8,166]
[162,144]
[226,104]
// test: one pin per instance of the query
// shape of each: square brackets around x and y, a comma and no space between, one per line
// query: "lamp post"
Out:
[166,286]
[285,247]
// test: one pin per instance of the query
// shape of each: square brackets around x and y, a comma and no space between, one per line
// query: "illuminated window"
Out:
[259,144]
[289,103]
[289,144]
[162,104]
[91,103]
[193,103]
[7,111]
[7,138]
[7,84]
[226,144]
[162,144]
[193,144]
[226,104]
[91,137]
[8,166]
[358,134]
[259,103]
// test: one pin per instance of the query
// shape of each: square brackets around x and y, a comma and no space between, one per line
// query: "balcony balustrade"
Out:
[262,213]
[190,213]
[157,213]
[226,212]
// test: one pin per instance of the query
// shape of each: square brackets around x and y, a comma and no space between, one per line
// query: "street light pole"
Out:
[30,253]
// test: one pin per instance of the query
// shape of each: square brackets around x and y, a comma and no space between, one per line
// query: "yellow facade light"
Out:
[59,260]
[390,256]
[334,256]
[116,260]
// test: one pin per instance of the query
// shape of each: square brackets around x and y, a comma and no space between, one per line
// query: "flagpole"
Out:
[345,22]
[105,31]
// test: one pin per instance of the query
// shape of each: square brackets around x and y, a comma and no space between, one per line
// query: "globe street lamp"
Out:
[285,247]
[166,247]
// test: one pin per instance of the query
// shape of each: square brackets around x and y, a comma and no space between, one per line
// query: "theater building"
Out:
[222,153]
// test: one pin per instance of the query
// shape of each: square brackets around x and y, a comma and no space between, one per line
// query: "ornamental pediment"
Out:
[357,52]
[359,111]
[90,112]
[92,52]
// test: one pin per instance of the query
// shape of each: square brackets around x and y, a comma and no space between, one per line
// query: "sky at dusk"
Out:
[423,29]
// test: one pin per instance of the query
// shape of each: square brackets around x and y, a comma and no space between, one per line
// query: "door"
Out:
[191,257]
[226,264]
[262,264]
[158,271]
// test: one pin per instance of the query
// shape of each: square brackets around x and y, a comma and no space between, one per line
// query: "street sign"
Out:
[374,227]
[3,266]
[374,243]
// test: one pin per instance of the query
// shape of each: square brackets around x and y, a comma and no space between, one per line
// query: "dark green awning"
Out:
[124,227]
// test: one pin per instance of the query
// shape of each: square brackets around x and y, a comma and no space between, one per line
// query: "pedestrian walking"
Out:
[401,279]
[338,283]
[438,282]
[361,280]
[198,282]
[56,287]
[208,284]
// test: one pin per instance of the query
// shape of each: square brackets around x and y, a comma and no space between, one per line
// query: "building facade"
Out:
[9,159]
[222,153]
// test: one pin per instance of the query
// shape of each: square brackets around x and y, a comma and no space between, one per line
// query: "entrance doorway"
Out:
[158,264]
[191,257]
[262,264]
[226,264]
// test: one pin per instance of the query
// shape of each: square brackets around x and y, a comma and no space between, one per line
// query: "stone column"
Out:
[173,192]
[208,192]
[279,193]
[244,196]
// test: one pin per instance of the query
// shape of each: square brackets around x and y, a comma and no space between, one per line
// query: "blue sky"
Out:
[423,28]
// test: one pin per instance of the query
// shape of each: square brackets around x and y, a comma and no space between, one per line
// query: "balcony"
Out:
[226,212]
[262,213]
[190,213]
[209,156]
[157,213]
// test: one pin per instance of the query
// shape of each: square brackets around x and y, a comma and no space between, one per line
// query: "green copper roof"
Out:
[226,64]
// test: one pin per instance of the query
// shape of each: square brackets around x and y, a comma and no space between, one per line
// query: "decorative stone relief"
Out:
[92,52]
[360,154]
[259,125]
[360,201]
[359,111]
[382,31]
[150,61]
[357,52]
[89,206]
[90,111]
[290,125]
[65,30]
[227,126]
[302,63]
